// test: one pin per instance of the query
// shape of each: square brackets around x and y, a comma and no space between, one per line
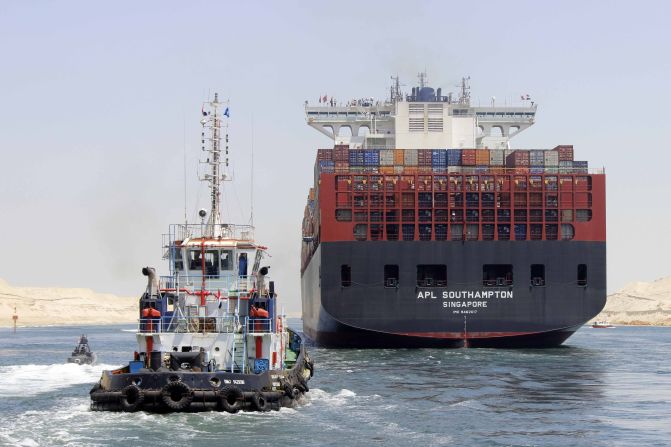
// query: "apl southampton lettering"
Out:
[464,299]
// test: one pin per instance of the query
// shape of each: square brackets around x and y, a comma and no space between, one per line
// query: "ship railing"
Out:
[219,286]
[226,231]
[259,325]
[181,324]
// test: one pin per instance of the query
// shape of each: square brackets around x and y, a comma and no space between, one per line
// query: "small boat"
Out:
[602,325]
[211,334]
[82,354]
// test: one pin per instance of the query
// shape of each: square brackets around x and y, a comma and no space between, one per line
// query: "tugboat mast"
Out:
[212,125]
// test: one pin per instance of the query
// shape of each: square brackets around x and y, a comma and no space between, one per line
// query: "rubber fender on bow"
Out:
[177,395]
[132,398]
[260,402]
[310,366]
[231,399]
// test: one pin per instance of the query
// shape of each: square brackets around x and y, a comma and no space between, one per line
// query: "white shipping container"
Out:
[551,158]
[387,157]
[410,157]
[496,157]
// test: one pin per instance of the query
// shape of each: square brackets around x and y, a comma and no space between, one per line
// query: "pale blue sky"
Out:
[97,102]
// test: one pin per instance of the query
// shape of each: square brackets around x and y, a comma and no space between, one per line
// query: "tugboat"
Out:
[82,354]
[211,336]
[602,325]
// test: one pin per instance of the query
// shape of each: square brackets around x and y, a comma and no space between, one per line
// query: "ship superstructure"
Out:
[210,334]
[425,228]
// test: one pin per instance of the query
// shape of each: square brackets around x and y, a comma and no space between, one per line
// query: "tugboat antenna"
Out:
[212,121]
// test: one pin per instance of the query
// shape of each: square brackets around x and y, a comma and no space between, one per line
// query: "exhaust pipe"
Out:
[152,280]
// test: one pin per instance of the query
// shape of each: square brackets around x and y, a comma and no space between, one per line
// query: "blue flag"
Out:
[226,112]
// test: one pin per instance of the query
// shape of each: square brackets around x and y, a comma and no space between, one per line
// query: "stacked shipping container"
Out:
[342,160]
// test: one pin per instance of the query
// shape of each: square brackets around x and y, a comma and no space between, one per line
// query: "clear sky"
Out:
[99,101]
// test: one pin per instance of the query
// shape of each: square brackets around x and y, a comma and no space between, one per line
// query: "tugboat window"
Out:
[211,264]
[390,275]
[497,275]
[431,275]
[195,262]
[582,274]
[345,275]
[225,259]
[179,262]
[537,275]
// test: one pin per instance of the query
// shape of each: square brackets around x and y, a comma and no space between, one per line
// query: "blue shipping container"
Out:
[438,158]
[356,157]
[371,158]
[453,157]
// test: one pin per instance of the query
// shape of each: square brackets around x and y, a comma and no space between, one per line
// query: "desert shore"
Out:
[639,303]
[49,306]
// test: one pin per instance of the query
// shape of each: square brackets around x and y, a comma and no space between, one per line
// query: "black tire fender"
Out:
[260,402]
[231,399]
[179,390]
[132,398]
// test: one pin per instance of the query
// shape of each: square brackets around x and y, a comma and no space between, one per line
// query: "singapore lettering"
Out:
[460,299]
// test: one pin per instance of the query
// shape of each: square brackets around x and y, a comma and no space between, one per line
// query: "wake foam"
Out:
[30,380]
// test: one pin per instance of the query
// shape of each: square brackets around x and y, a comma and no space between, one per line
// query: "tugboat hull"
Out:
[166,391]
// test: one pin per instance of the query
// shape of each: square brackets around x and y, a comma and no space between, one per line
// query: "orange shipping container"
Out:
[410,170]
[482,157]
[387,169]
[398,157]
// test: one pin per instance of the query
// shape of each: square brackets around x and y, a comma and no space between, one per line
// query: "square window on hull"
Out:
[431,275]
[497,275]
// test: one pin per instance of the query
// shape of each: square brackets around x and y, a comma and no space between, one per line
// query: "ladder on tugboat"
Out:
[239,353]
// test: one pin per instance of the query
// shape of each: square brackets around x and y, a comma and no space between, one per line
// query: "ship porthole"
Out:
[216,349]
[215,382]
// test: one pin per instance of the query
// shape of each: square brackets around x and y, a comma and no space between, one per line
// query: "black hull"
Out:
[367,314]
[185,390]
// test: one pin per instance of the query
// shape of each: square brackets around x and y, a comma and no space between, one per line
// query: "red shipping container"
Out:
[468,157]
[341,153]
[324,154]
[518,159]
[565,152]
[424,157]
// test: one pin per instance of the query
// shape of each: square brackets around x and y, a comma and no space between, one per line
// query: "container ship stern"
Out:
[455,240]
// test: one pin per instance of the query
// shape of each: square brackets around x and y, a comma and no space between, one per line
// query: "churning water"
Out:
[605,387]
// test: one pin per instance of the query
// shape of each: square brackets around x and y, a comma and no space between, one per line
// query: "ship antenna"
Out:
[186,218]
[251,189]
[212,121]
[465,95]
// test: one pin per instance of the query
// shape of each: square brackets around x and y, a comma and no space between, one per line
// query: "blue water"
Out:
[605,387]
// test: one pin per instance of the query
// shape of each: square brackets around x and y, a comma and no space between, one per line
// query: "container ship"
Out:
[425,229]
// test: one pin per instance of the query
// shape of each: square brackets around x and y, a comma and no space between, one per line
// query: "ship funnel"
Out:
[260,278]
[152,280]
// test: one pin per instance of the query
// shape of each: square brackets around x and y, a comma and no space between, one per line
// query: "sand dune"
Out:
[39,306]
[637,303]
[640,303]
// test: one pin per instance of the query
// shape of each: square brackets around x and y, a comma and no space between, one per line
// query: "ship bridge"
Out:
[364,120]
[424,119]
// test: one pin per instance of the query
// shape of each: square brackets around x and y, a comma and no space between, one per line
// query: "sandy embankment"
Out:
[41,306]
[640,303]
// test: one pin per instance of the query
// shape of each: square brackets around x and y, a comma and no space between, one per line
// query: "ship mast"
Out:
[212,132]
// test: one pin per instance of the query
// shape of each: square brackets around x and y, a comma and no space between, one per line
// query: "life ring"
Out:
[177,395]
[260,402]
[231,398]
[132,398]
